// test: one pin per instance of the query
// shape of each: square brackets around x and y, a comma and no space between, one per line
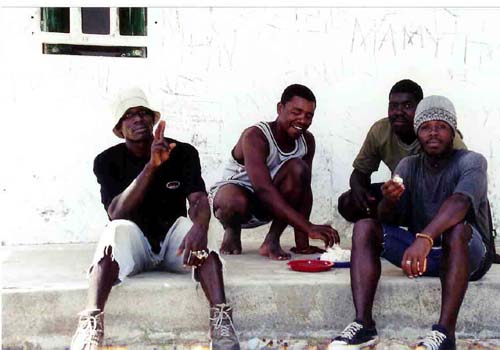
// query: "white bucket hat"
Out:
[130,98]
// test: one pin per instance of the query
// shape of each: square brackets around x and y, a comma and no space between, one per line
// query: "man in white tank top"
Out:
[268,178]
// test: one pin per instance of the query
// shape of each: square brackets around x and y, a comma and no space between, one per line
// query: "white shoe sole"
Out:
[368,345]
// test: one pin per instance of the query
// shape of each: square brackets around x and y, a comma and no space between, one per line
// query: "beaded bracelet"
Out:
[427,237]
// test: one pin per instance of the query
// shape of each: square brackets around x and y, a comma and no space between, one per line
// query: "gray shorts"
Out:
[133,253]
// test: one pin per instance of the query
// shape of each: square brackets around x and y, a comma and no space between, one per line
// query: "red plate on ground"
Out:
[310,265]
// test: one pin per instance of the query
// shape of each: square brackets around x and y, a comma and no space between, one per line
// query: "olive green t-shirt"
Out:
[381,144]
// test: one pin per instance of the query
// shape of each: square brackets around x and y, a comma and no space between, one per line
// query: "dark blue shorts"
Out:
[397,240]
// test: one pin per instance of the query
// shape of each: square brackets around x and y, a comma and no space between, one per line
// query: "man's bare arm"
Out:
[311,150]
[359,179]
[199,209]
[392,192]
[254,147]
[452,212]
[386,211]
[196,238]
[125,203]
[360,189]
[324,232]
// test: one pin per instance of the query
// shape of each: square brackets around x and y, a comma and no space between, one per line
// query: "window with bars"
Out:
[95,22]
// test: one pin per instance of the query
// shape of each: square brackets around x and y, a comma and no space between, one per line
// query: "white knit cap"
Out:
[435,108]
[130,98]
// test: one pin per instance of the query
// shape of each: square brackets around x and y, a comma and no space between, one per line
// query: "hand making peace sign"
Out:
[160,148]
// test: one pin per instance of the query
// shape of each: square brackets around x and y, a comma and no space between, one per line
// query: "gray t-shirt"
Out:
[427,187]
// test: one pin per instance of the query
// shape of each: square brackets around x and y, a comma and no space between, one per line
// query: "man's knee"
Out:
[121,230]
[344,200]
[367,231]
[298,169]
[346,207]
[293,177]
[230,207]
[457,237]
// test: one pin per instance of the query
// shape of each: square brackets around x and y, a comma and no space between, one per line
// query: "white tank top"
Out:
[236,173]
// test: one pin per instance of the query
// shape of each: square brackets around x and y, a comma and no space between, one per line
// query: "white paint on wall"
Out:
[213,72]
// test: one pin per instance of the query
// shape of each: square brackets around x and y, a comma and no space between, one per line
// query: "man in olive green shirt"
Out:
[389,140]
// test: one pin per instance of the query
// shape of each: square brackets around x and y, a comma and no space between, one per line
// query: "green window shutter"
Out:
[55,19]
[133,20]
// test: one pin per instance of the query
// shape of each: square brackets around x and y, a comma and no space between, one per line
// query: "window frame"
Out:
[78,38]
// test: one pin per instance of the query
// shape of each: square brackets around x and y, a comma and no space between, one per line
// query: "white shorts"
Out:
[133,253]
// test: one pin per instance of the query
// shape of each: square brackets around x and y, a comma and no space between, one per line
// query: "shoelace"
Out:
[434,340]
[351,330]
[222,320]
[88,326]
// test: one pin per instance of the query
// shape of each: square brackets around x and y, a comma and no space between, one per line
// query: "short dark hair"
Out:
[297,90]
[408,86]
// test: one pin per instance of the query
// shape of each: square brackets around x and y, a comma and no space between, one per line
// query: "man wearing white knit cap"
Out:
[146,182]
[388,140]
[440,196]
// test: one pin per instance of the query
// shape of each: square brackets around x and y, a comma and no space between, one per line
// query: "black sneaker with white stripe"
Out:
[437,339]
[354,337]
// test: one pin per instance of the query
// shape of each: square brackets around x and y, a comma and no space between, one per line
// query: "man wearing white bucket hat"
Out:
[145,183]
[440,195]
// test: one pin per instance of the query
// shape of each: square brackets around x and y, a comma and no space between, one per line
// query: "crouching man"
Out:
[442,200]
[145,183]
[268,178]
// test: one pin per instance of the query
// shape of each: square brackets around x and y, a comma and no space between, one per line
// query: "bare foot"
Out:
[307,250]
[273,251]
[231,244]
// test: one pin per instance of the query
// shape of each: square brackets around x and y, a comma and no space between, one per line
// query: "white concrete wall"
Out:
[212,72]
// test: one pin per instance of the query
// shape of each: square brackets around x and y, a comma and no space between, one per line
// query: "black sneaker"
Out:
[354,337]
[438,339]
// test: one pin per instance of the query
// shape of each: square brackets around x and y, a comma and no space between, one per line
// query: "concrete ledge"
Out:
[44,287]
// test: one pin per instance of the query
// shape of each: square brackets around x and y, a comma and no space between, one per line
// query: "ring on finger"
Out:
[408,262]
[200,254]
